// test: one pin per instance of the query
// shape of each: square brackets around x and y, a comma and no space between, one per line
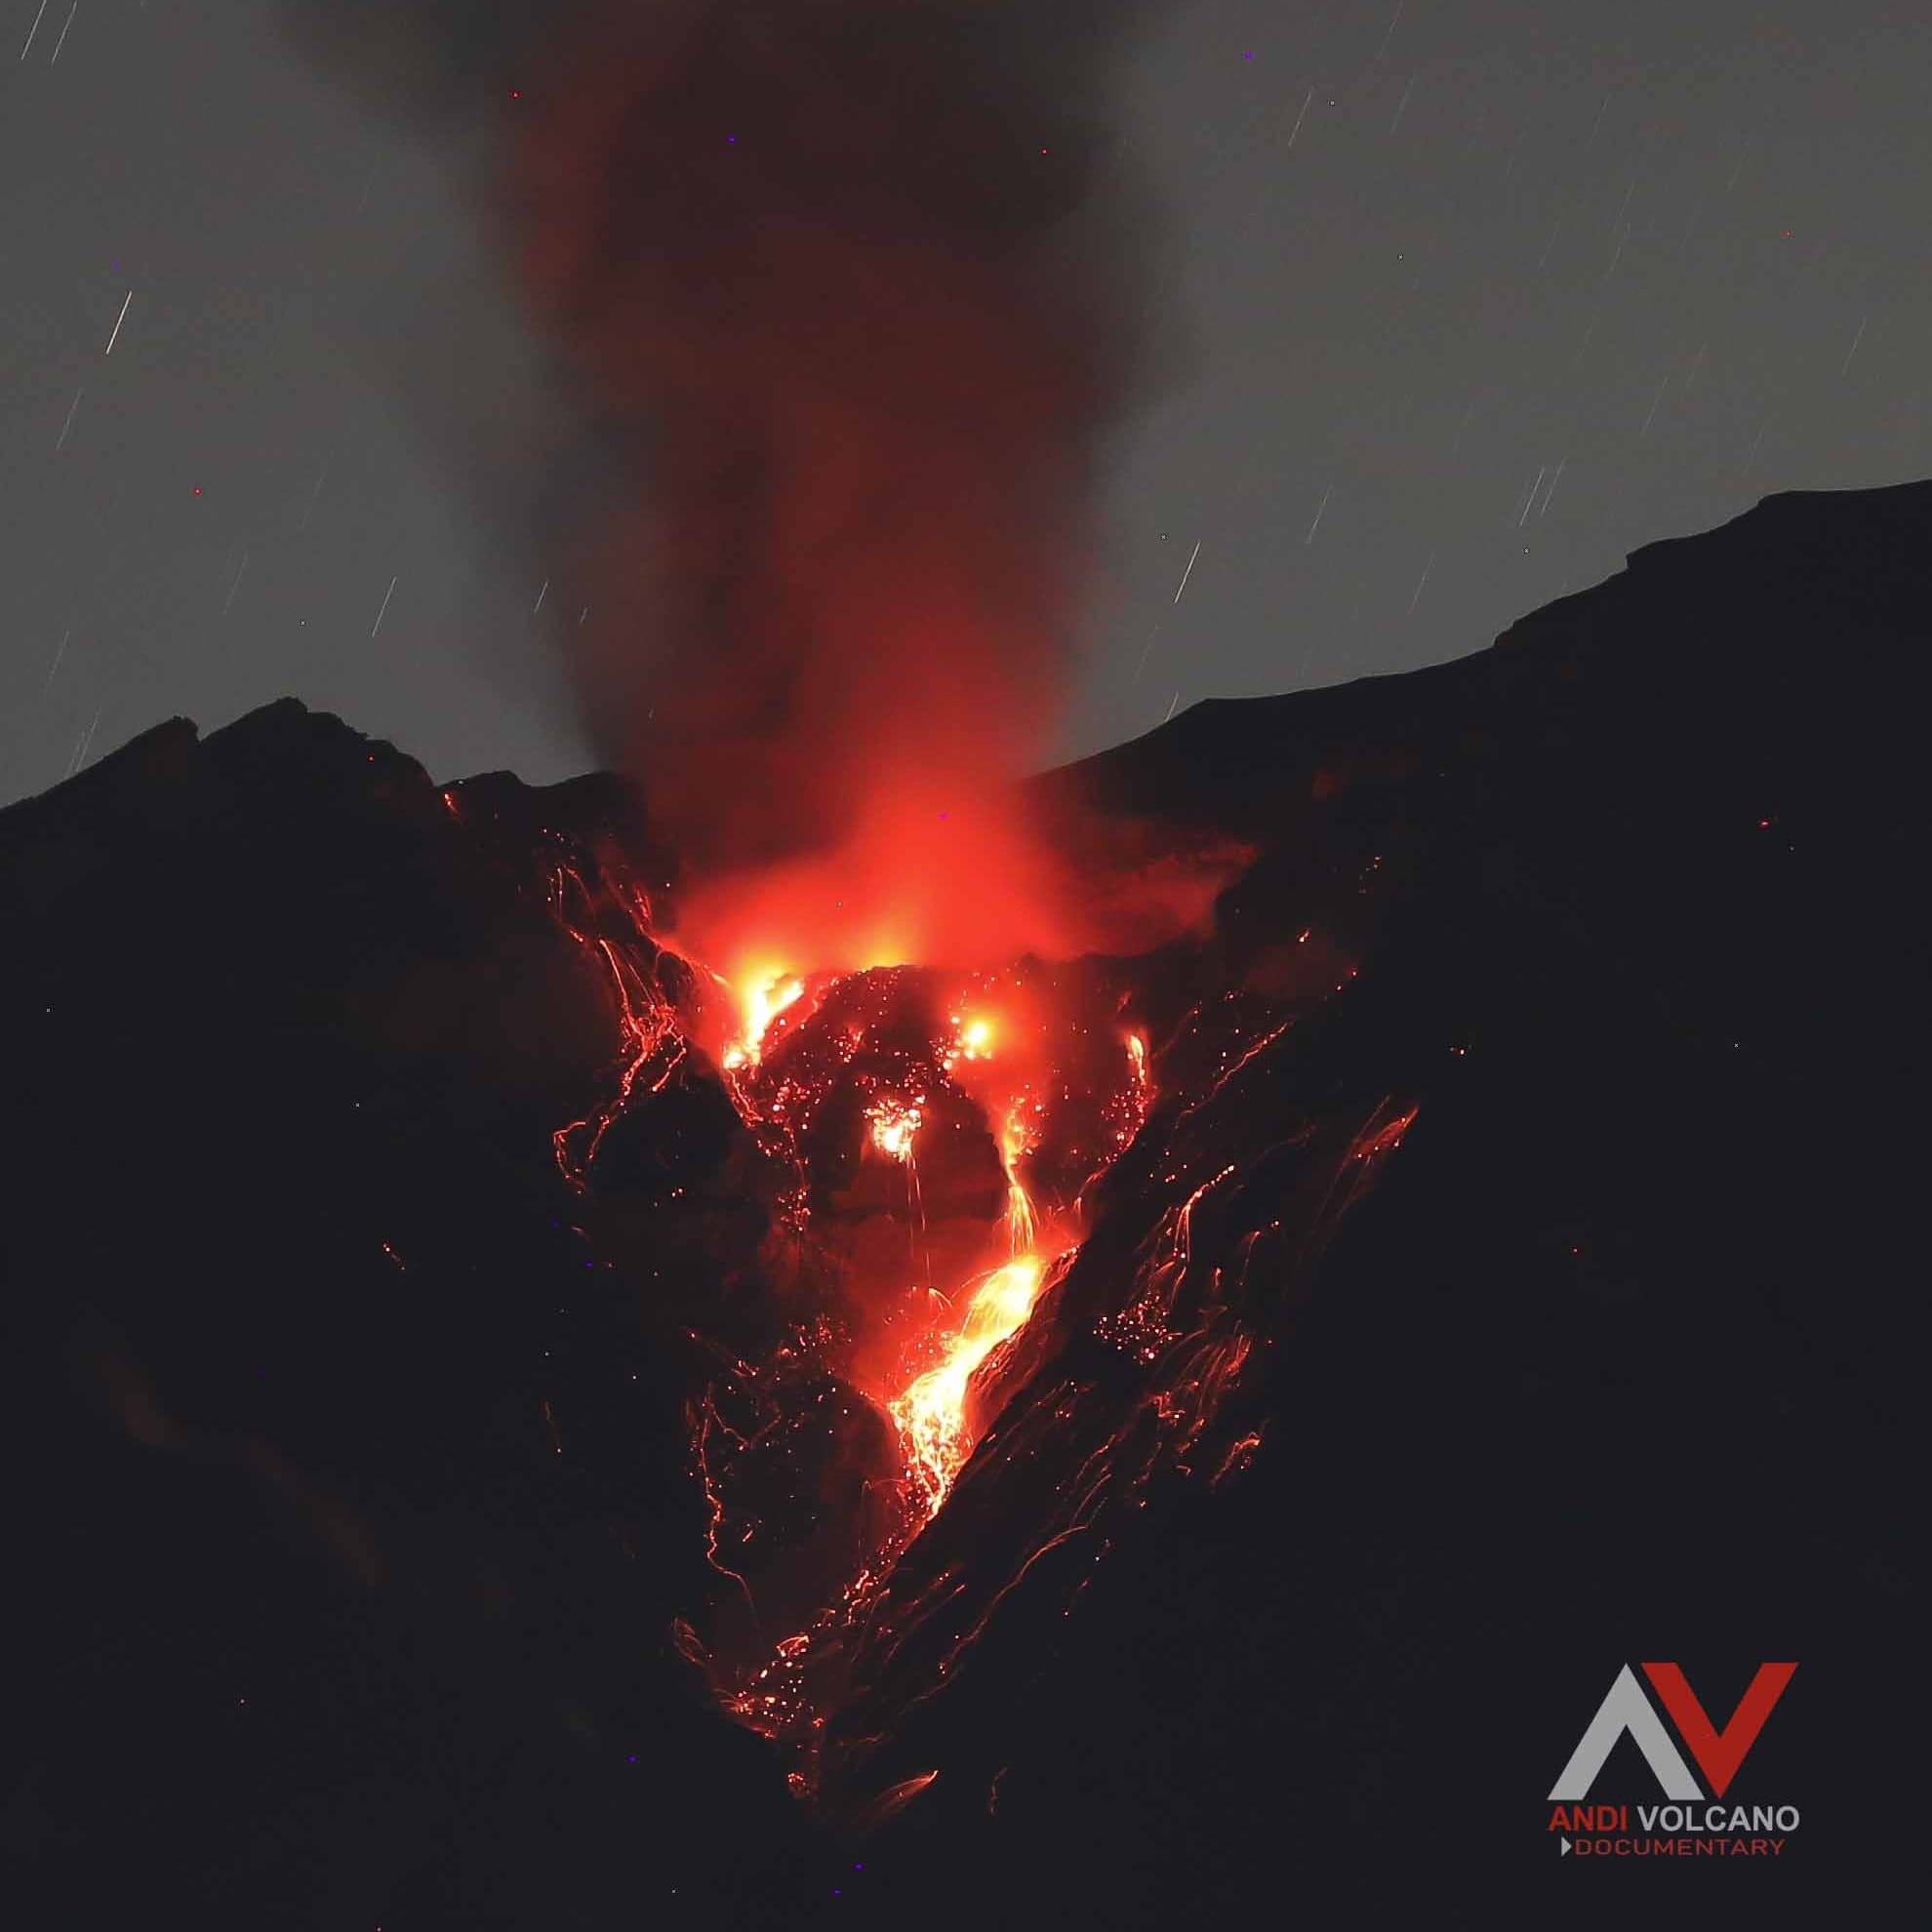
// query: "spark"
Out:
[1173,704]
[539,604]
[1320,508]
[894,1127]
[1697,363]
[60,650]
[1402,105]
[1530,497]
[1420,582]
[62,41]
[72,409]
[1743,152]
[33,29]
[1598,128]
[974,1040]
[1154,635]
[1624,205]
[1551,491]
[1753,457]
[118,320]
[236,585]
[387,595]
[82,745]
[1189,570]
[1853,350]
[1654,401]
[1239,1454]
[1301,117]
[1391,34]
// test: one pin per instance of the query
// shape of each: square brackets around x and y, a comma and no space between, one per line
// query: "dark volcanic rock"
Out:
[352,1493]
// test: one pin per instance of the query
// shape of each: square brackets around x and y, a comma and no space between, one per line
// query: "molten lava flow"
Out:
[927,1327]
[647,1027]
[933,1136]
[766,992]
[1020,1222]
[932,1412]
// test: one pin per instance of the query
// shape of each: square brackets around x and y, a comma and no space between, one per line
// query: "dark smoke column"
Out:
[838,279]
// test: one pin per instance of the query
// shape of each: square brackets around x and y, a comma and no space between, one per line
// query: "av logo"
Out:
[1719,1753]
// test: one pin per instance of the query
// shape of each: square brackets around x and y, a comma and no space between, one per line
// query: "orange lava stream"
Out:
[931,1413]
[930,1410]
[762,995]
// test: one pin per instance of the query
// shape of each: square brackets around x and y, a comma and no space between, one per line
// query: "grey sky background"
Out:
[1477,299]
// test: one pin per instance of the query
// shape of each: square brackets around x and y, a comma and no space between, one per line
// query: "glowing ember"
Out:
[932,1413]
[894,1124]
[973,1039]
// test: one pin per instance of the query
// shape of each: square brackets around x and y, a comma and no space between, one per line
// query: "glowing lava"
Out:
[911,1371]
[972,1040]
[763,995]
[894,1123]
[646,1026]
[994,1056]
[823,1464]
[932,1412]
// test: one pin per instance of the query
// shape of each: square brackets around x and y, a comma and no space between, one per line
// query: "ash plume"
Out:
[843,294]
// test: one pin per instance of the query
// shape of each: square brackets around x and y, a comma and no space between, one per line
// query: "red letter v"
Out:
[1719,1753]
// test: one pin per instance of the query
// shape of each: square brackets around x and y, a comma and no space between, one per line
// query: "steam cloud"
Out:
[846,291]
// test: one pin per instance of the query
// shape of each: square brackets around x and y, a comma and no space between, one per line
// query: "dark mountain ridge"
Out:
[353,1502]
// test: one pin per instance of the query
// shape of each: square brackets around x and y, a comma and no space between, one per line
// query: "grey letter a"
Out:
[1625,1709]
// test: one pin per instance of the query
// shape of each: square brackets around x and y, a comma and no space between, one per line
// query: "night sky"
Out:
[1457,306]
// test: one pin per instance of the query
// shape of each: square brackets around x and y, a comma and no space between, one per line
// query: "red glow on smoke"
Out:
[857,368]
[912,883]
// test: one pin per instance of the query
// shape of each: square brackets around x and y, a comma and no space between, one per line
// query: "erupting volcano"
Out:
[834,1306]
[844,289]
[935,1140]
[844,286]
[1081,1429]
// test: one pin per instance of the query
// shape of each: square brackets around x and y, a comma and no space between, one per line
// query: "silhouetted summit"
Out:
[354,1514]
